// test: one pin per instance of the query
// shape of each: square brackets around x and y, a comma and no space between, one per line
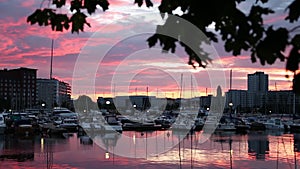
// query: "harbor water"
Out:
[157,149]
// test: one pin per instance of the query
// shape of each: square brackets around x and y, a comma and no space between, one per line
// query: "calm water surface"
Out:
[158,149]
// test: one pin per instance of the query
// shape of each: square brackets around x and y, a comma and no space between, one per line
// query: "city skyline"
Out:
[187,92]
[30,46]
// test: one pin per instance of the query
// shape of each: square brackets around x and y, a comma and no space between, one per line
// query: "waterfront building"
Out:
[139,102]
[282,102]
[18,88]
[258,82]
[205,101]
[258,85]
[53,93]
[238,98]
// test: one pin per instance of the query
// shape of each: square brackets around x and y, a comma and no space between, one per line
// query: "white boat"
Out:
[70,124]
[2,124]
[226,127]
[181,127]
[112,124]
[183,124]
[212,124]
[112,128]
[274,124]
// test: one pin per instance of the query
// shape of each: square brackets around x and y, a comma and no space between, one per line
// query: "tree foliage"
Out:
[239,30]
[84,104]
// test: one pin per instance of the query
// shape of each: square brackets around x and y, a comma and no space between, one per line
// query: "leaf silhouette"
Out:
[59,3]
[78,20]
[294,11]
[292,63]
[296,84]
[139,2]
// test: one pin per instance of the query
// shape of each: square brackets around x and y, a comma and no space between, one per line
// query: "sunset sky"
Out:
[129,65]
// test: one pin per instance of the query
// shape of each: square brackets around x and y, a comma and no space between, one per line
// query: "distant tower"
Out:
[258,86]
[258,82]
[219,91]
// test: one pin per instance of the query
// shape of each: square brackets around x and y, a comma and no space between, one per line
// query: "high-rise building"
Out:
[53,92]
[18,88]
[258,82]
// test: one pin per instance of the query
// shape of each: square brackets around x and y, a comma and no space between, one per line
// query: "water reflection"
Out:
[258,145]
[23,149]
[158,149]
[296,142]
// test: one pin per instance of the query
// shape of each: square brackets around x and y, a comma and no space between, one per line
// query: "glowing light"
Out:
[133,138]
[42,144]
[107,155]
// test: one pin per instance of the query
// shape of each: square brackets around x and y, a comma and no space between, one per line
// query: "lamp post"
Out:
[230,106]
[107,106]
[43,107]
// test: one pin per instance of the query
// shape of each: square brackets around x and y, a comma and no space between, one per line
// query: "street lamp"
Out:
[230,105]
[43,107]
[107,155]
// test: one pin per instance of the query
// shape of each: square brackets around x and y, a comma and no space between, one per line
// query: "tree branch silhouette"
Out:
[239,30]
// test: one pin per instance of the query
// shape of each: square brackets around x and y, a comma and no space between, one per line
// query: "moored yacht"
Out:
[112,124]
[274,124]
[295,126]
[69,124]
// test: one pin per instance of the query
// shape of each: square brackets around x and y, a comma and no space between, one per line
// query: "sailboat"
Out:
[185,119]
[142,123]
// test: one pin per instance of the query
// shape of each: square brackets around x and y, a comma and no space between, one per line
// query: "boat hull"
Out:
[2,129]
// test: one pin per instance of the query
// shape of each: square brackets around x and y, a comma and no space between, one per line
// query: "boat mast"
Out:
[294,98]
[191,86]
[51,65]
[181,91]
[230,87]
[181,86]
[51,62]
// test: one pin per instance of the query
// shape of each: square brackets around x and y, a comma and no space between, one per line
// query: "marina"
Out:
[235,141]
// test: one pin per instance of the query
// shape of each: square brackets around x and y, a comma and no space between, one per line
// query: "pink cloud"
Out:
[28,3]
